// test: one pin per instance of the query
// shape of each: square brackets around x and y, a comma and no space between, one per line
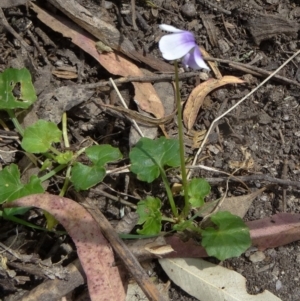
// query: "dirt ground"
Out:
[261,34]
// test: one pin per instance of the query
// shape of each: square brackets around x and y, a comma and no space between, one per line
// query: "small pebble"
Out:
[257,257]
[264,198]
[188,9]
[278,285]
[223,45]
[285,117]
[213,149]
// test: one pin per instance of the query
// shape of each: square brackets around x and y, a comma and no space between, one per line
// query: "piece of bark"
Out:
[264,27]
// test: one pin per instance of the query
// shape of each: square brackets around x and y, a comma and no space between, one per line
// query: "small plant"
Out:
[40,138]
[225,236]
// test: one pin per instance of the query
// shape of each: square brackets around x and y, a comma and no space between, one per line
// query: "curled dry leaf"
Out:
[247,163]
[197,96]
[94,252]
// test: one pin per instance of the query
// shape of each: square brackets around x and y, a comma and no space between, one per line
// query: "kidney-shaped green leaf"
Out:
[230,238]
[11,98]
[197,189]
[149,156]
[84,177]
[102,154]
[39,136]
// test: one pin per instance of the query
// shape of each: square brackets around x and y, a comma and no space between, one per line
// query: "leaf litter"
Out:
[295,169]
[96,256]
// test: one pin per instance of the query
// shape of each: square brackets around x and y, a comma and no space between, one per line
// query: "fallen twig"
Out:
[259,177]
[254,70]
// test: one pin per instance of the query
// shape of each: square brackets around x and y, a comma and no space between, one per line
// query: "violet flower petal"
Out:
[194,60]
[175,46]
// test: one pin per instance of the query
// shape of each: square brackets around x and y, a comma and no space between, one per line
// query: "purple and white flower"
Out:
[181,45]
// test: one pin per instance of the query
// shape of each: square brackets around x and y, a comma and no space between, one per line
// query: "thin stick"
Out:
[133,14]
[233,107]
[125,105]
[253,70]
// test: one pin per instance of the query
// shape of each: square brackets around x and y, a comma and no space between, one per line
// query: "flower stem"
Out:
[169,192]
[53,172]
[66,182]
[185,210]
[15,121]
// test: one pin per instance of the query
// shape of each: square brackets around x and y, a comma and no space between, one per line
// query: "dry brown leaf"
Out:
[212,65]
[197,96]
[116,64]
[247,163]
[198,137]
[65,74]
[237,205]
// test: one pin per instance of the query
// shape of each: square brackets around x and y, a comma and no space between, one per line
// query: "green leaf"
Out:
[84,177]
[11,187]
[197,190]
[39,136]
[64,158]
[15,211]
[149,215]
[149,156]
[229,239]
[8,80]
[102,154]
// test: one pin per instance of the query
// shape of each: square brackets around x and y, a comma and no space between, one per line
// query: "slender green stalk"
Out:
[15,121]
[54,150]
[66,182]
[53,172]
[167,219]
[185,210]
[169,192]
